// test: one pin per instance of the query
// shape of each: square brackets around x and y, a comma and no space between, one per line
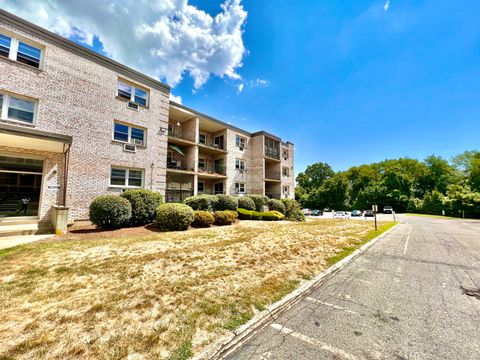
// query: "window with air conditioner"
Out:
[125,177]
[128,134]
[133,93]
[240,142]
[240,164]
[21,50]
[240,188]
[18,108]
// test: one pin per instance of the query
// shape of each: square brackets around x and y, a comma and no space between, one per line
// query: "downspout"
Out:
[66,160]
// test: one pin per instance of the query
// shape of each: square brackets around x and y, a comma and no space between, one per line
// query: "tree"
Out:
[439,175]
[314,176]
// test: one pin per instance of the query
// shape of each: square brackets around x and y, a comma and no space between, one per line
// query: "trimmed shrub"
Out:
[225,217]
[110,212]
[259,201]
[293,211]
[276,205]
[144,203]
[246,203]
[202,219]
[174,217]
[225,202]
[244,214]
[200,202]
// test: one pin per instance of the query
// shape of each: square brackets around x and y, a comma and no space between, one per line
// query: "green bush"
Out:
[202,219]
[144,203]
[225,202]
[244,214]
[246,203]
[276,205]
[225,217]
[259,201]
[174,217]
[110,212]
[293,211]
[200,202]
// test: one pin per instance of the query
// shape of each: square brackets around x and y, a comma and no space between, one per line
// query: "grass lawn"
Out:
[434,216]
[163,296]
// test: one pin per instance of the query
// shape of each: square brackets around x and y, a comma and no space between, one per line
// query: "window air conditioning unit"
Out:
[241,148]
[129,148]
[132,105]
[137,142]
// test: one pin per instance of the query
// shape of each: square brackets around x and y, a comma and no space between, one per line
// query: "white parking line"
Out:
[406,241]
[331,305]
[309,340]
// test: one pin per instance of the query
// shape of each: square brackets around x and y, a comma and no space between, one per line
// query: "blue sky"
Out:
[348,82]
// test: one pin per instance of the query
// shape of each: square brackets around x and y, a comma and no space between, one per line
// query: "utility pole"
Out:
[375,209]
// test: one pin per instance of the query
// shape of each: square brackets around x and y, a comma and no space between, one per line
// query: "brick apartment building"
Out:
[75,125]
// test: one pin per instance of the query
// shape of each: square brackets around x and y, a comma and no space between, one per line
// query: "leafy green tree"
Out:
[439,175]
[314,176]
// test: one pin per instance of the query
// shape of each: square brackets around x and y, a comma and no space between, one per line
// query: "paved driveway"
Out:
[399,300]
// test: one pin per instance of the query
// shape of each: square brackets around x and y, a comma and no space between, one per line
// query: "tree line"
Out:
[432,186]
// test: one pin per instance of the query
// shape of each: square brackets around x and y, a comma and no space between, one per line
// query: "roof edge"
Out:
[82,51]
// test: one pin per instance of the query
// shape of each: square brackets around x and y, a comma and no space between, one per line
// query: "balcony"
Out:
[208,169]
[177,195]
[273,195]
[272,175]
[178,138]
[272,153]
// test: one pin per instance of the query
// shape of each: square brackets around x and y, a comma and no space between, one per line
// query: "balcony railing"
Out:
[272,153]
[273,195]
[177,195]
[272,175]
[212,169]
[178,135]
[212,145]
[177,165]
[210,192]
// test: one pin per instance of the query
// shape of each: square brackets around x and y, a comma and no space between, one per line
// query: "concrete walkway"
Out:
[400,300]
[11,241]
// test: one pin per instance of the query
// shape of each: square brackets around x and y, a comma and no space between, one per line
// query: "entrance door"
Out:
[20,185]
[218,188]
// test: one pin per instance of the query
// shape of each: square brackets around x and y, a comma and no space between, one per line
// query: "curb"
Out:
[227,344]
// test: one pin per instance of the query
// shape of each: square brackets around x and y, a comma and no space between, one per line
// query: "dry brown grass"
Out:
[161,296]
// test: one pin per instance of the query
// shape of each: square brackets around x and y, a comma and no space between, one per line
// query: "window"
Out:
[285,154]
[240,164]
[171,129]
[126,177]
[218,142]
[286,190]
[201,163]
[132,93]
[201,186]
[17,108]
[5,43]
[21,51]
[202,139]
[240,188]
[285,171]
[240,142]
[128,133]
[218,188]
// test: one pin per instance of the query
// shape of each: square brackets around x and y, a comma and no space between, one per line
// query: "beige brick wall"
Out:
[77,97]
[256,168]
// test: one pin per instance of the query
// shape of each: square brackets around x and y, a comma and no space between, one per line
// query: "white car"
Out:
[307,212]
[341,215]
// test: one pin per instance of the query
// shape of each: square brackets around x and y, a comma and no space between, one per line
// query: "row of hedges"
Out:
[273,215]
[140,207]
[133,207]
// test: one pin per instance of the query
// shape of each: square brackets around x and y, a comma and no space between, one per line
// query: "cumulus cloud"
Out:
[177,99]
[163,38]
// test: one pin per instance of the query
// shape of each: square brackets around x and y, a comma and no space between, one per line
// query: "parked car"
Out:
[368,213]
[317,213]
[327,209]
[341,215]
[307,212]
[388,210]
[356,213]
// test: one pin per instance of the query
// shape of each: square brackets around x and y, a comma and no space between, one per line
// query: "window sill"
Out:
[125,100]
[124,187]
[19,122]
[26,66]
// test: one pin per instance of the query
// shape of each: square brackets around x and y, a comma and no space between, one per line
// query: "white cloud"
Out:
[163,38]
[177,99]
[259,83]
[240,87]
[387,5]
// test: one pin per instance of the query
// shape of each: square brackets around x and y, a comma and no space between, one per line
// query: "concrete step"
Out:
[22,229]
[18,220]
[11,241]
